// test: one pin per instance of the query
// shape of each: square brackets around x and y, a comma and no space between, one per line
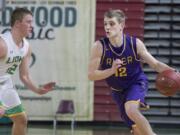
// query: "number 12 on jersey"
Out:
[121,72]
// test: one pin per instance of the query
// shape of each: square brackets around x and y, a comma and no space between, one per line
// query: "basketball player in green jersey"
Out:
[15,53]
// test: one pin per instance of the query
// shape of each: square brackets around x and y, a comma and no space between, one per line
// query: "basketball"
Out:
[168,82]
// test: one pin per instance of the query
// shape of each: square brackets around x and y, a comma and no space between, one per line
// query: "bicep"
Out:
[144,54]
[3,48]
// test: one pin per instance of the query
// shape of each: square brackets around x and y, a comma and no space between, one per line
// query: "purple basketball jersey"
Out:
[129,83]
[130,71]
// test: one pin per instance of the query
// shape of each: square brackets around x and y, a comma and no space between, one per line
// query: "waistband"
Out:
[119,90]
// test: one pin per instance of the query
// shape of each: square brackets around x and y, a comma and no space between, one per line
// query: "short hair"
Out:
[18,14]
[119,14]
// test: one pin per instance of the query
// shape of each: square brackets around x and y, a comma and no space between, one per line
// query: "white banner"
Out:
[61,40]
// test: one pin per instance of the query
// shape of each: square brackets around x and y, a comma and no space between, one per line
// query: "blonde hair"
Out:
[117,13]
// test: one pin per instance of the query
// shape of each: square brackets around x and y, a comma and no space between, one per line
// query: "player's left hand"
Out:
[177,72]
[46,88]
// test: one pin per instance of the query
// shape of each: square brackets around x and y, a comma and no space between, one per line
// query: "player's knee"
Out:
[20,120]
[24,121]
[131,113]
[132,110]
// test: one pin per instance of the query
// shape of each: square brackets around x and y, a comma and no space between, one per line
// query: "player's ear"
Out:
[18,23]
[123,24]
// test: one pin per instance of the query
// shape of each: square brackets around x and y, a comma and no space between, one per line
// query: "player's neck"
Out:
[116,41]
[17,38]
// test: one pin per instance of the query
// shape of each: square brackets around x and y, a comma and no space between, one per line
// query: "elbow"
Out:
[90,76]
[23,78]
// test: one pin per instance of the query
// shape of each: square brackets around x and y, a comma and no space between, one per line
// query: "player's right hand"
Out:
[46,88]
[116,64]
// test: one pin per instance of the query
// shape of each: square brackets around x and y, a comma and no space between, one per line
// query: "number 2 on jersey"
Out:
[12,69]
[121,72]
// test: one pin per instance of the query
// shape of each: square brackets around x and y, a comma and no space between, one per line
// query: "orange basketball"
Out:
[168,82]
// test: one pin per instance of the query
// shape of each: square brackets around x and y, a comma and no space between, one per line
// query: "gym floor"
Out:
[47,129]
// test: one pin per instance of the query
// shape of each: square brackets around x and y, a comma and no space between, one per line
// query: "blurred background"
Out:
[63,33]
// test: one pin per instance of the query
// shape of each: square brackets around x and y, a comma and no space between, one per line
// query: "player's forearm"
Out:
[29,84]
[100,74]
[160,67]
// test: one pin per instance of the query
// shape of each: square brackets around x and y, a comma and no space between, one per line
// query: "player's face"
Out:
[26,25]
[112,27]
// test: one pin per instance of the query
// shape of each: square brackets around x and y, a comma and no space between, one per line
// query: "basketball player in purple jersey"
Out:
[117,59]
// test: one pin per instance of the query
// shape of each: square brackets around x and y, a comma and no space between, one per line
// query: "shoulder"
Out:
[3,48]
[98,44]
[130,39]
[139,42]
[141,48]
[6,35]
[101,42]
[2,42]
[27,47]
[26,43]
[97,49]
